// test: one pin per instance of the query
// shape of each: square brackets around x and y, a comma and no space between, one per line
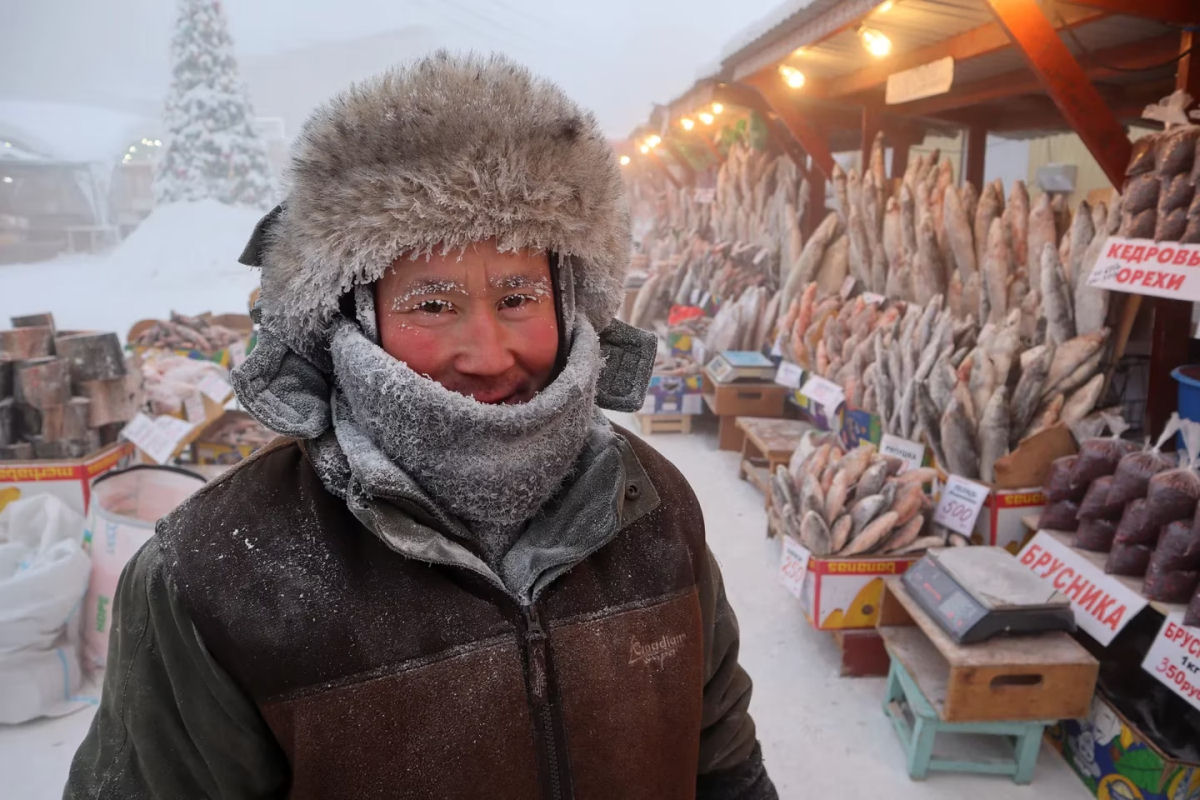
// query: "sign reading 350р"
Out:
[1142,266]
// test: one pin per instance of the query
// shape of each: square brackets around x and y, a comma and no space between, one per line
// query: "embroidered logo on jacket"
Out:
[657,651]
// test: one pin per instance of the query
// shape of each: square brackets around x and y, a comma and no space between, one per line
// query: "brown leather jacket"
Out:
[269,645]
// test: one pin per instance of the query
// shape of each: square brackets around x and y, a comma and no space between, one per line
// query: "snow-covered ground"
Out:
[183,257]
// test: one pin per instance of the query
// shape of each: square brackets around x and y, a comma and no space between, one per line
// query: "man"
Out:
[455,579]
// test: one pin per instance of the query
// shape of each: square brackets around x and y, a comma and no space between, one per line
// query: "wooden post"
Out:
[814,209]
[777,101]
[976,151]
[1066,83]
[1172,318]
[900,149]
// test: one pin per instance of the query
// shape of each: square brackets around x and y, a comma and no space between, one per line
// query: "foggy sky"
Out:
[616,58]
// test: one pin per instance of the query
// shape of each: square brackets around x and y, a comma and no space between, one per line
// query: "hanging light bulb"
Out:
[624,160]
[706,117]
[717,108]
[158,142]
[793,77]
[645,149]
[886,7]
[133,148]
[654,140]
[688,123]
[876,42]
[8,179]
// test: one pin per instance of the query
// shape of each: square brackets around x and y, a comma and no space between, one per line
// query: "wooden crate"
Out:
[1038,677]
[664,423]
[744,398]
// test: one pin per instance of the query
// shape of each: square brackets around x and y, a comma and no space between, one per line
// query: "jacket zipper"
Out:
[537,652]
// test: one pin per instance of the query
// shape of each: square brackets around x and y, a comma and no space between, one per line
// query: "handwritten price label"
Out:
[789,375]
[911,453]
[1174,658]
[824,393]
[960,504]
[793,566]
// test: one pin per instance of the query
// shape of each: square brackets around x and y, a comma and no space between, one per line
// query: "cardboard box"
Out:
[674,394]
[825,419]
[1115,759]
[859,426]
[1000,521]
[743,399]
[68,479]
[208,448]
[844,593]
[228,357]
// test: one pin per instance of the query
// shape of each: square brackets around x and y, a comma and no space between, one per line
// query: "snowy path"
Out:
[823,736]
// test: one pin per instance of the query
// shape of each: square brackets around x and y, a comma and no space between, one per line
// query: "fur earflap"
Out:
[432,157]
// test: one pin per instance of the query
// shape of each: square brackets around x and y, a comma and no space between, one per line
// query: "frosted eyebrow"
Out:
[536,286]
[420,288]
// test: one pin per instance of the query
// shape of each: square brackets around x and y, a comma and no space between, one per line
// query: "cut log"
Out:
[18,451]
[43,320]
[47,449]
[66,422]
[108,434]
[23,343]
[6,378]
[93,356]
[42,382]
[8,422]
[27,421]
[112,401]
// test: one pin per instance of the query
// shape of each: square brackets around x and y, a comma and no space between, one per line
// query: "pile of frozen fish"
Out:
[969,393]
[854,503]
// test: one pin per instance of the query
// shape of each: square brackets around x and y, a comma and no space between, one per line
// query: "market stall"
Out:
[951,342]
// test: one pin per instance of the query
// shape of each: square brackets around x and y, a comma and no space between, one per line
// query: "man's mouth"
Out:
[505,396]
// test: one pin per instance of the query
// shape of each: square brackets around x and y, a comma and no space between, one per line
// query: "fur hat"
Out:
[437,155]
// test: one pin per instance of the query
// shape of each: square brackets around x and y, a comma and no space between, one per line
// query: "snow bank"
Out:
[183,257]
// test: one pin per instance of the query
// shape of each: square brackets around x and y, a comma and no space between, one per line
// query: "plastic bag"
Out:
[1096,504]
[1132,477]
[1128,559]
[1134,527]
[1192,617]
[1173,494]
[1174,570]
[1095,534]
[1060,516]
[1058,481]
[1099,457]
[43,575]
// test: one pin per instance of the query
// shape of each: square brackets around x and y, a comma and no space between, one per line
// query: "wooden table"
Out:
[766,444]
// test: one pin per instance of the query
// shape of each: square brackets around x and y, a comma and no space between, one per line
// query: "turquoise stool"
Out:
[917,739]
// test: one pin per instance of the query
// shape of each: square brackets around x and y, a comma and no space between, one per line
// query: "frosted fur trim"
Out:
[490,466]
[440,154]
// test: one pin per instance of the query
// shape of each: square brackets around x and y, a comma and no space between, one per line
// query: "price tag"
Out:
[157,437]
[911,453]
[793,565]
[695,298]
[1102,604]
[1174,658]
[705,298]
[215,388]
[789,375]
[777,348]
[960,504]
[872,298]
[699,351]
[193,407]
[824,393]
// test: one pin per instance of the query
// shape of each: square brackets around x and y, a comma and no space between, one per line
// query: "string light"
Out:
[688,123]
[654,140]
[717,108]
[886,7]
[158,142]
[8,179]
[876,42]
[624,161]
[793,77]
[133,148]
[645,149]
[8,144]
[706,117]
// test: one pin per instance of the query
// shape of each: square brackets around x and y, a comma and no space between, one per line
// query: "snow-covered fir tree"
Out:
[211,147]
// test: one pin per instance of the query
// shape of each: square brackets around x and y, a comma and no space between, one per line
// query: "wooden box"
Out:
[743,399]
[1038,677]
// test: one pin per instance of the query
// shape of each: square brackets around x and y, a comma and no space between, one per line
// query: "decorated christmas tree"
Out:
[211,147]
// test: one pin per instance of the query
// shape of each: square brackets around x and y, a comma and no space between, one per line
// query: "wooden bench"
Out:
[766,444]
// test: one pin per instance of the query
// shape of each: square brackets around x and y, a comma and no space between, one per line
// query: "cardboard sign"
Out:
[959,505]
[870,298]
[1142,266]
[789,375]
[911,453]
[193,407]
[704,195]
[823,392]
[793,566]
[1174,658]
[215,388]
[699,351]
[158,437]
[927,80]
[777,348]
[1103,605]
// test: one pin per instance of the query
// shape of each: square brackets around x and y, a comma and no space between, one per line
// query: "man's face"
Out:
[481,324]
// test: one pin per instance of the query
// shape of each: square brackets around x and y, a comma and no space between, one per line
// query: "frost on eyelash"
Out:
[400,303]
[536,288]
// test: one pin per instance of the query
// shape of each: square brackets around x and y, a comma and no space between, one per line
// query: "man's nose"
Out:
[483,347]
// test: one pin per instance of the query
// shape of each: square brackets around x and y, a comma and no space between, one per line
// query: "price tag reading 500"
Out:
[960,504]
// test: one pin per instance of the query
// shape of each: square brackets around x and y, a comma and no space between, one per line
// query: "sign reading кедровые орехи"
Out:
[1142,266]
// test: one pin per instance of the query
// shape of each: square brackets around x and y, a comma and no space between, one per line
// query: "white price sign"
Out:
[777,348]
[699,351]
[159,437]
[960,504]
[1141,266]
[1102,604]
[193,407]
[793,565]
[789,375]
[911,453]
[873,299]
[1174,658]
[215,388]
[824,393]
